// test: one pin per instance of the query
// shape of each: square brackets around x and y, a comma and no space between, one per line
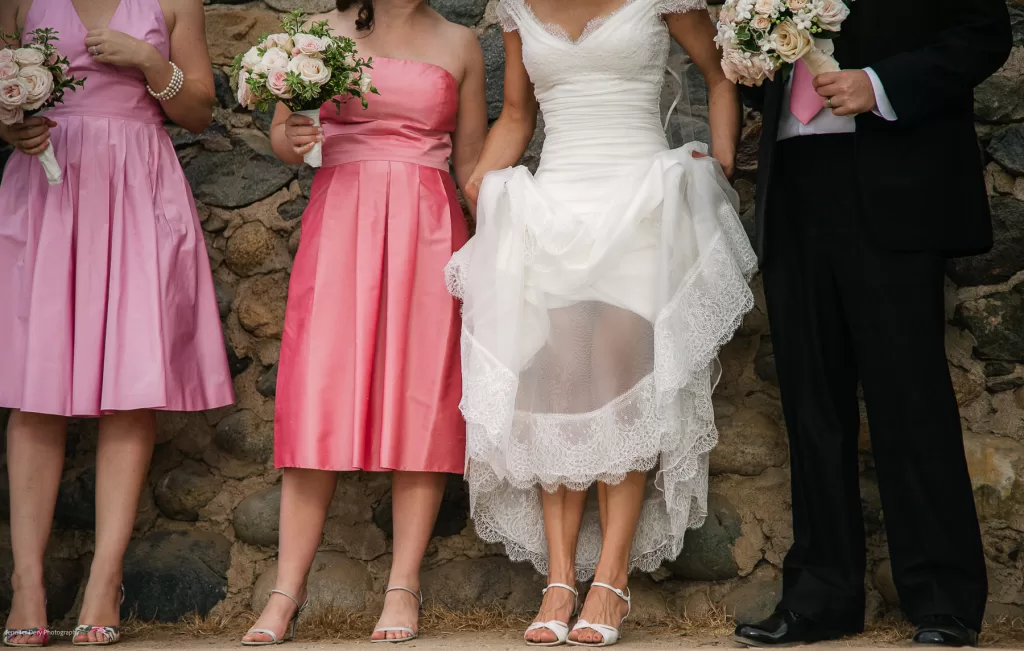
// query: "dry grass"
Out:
[329,625]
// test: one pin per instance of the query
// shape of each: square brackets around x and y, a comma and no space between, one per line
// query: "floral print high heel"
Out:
[108,634]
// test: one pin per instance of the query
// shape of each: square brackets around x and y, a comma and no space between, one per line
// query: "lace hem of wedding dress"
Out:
[666,421]
[661,7]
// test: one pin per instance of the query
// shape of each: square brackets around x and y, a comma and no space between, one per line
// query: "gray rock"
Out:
[309,6]
[183,138]
[225,297]
[255,249]
[267,384]
[222,88]
[335,582]
[997,323]
[76,501]
[764,361]
[997,369]
[1017,22]
[246,436]
[473,583]
[306,175]
[263,119]
[999,100]
[257,518]
[451,518]
[1007,255]
[171,574]
[293,209]
[463,12]
[237,365]
[749,443]
[246,173]
[1007,148]
[707,552]
[493,45]
[753,601]
[183,492]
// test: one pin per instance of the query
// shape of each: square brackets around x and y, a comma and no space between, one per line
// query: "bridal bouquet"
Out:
[760,37]
[303,67]
[34,78]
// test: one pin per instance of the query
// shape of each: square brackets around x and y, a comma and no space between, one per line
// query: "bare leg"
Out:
[563,513]
[122,462]
[35,459]
[305,498]
[415,500]
[623,503]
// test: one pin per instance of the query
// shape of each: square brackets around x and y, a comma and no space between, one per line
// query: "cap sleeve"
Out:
[664,7]
[506,17]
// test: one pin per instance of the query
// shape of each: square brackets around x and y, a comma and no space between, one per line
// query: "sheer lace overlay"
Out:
[596,296]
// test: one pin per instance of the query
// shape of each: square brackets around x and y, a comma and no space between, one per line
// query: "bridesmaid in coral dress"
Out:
[369,376]
[108,303]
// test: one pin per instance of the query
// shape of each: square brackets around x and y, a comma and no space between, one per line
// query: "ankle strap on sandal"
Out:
[560,585]
[293,599]
[418,595]
[619,593]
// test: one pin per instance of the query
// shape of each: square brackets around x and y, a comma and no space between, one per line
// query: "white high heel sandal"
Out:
[560,629]
[289,629]
[399,629]
[609,634]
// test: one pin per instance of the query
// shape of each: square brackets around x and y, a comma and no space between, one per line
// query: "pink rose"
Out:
[6,54]
[764,7]
[308,44]
[762,23]
[11,115]
[743,68]
[8,69]
[273,59]
[244,92]
[797,5]
[832,15]
[315,71]
[13,92]
[40,85]
[277,83]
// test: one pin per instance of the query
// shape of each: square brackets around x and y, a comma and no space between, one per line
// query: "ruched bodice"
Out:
[398,125]
[109,91]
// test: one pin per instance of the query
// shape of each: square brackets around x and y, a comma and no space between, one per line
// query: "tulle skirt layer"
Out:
[105,281]
[589,347]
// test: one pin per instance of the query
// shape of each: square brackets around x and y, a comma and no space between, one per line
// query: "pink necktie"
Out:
[804,101]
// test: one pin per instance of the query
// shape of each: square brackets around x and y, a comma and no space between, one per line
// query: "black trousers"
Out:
[844,310]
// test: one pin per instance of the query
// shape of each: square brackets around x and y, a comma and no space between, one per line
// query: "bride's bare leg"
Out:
[563,513]
[622,504]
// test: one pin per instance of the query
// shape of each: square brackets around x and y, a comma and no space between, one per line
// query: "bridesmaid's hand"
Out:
[31,136]
[301,133]
[119,49]
[472,190]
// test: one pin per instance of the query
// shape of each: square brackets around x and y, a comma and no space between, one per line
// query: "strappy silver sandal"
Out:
[292,624]
[560,629]
[398,629]
[609,634]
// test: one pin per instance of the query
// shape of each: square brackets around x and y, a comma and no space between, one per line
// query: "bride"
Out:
[597,294]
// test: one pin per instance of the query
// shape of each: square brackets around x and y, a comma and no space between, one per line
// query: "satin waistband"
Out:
[108,113]
[352,148]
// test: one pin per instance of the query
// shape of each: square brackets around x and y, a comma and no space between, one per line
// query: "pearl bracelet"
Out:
[173,87]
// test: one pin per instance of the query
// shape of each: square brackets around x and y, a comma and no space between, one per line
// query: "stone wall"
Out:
[207,529]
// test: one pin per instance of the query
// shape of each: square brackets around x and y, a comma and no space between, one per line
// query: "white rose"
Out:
[11,115]
[832,15]
[310,70]
[762,23]
[791,42]
[28,56]
[40,85]
[277,83]
[308,44]
[365,83]
[251,59]
[349,61]
[8,69]
[273,59]
[765,7]
[244,95]
[13,92]
[282,41]
[6,54]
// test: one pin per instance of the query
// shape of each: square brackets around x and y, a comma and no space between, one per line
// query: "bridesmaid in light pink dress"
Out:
[108,303]
[369,376]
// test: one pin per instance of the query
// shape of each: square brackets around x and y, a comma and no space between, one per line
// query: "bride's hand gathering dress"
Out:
[597,294]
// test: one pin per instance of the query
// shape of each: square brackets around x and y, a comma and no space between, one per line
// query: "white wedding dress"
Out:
[597,294]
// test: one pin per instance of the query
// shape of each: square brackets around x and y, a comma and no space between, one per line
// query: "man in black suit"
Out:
[858,208]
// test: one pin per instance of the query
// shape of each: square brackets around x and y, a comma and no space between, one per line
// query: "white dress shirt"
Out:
[826,122]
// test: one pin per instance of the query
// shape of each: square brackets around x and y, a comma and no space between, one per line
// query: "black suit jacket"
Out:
[921,177]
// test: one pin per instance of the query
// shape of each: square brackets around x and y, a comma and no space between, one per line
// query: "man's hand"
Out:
[847,92]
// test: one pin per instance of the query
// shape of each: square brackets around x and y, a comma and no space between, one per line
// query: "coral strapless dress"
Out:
[108,303]
[369,376]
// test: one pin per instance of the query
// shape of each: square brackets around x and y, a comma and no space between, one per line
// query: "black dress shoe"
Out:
[784,628]
[945,630]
